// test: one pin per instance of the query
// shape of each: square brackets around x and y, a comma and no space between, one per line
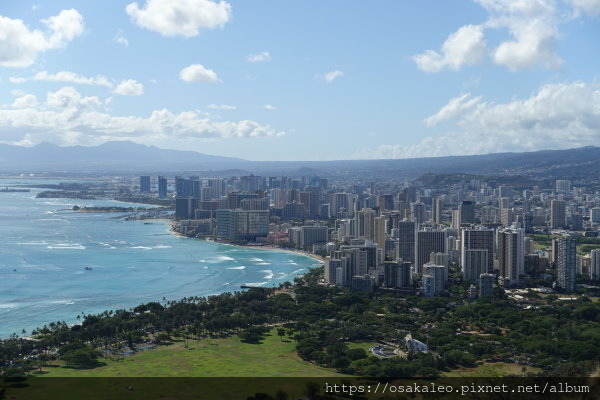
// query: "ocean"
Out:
[45,248]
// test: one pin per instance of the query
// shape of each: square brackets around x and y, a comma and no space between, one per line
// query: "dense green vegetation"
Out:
[558,337]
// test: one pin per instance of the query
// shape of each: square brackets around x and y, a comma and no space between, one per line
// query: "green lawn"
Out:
[215,358]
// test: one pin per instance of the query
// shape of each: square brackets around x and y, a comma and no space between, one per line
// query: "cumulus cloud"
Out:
[20,46]
[557,116]
[260,57]
[454,107]
[25,101]
[198,73]
[66,77]
[129,87]
[180,17]
[68,117]
[532,29]
[466,46]
[269,107]
[333,75]
[221,107]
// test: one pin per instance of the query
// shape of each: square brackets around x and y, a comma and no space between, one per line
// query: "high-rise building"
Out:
[310,235]
[430,241]
[566,267]
[418,212]
[406,241]
[595,265]
[385,202]
[428,282]
[557,214]
[505,191]
[145,184]
[467,212]
[241,224]
[439,274]
[486,285]
[370,251]
[397,275]
[477,252]
[563,185]
[183,187]
[331,266]
[595,215]
[511,257]
[379,231]
[185,207]
[162,187]
[441,259]
[438,207]
[576,222]
[528,243]
[365,224]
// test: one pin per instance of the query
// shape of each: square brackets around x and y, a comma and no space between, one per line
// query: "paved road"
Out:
[382,351]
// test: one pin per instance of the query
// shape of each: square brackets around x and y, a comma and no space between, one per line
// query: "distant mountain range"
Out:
[130,157]
[110,156]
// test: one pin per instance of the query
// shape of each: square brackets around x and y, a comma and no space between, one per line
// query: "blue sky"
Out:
[303,80]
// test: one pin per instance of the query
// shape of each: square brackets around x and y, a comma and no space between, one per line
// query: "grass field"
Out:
[215,358]
[491,369]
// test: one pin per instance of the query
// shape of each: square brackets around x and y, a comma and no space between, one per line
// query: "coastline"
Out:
[315,257]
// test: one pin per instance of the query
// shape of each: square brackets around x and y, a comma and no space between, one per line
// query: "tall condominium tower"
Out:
[431,241]
[511,257]
[557,214]
[566,267]
[145,184]
[406,241]
[477,252]
[162,187]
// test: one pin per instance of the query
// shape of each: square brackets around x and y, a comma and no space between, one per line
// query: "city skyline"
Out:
[303,81]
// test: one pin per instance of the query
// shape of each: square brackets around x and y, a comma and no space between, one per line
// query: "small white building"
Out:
[414,346]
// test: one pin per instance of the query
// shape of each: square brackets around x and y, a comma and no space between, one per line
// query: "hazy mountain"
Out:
[110,156]
[131,157]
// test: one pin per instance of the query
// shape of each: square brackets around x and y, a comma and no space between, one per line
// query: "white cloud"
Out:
[25,101]
[120,38]
[67,118]
[66,77]
[454,107]
[221,107]
[180,17]
[557,116]
[466,46]
[129,87]
[260,57]
[17,79]
[591,7]
[20,46]
[198,73]
[333,75]
[532,27]
[269,107]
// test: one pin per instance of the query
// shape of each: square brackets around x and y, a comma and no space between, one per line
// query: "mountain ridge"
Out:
[124,156]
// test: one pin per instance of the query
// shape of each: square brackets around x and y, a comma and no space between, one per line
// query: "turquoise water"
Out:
[45,247]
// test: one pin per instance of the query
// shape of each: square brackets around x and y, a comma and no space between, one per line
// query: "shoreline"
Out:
[315,257]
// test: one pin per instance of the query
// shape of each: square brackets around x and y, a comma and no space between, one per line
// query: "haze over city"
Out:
[303,80]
